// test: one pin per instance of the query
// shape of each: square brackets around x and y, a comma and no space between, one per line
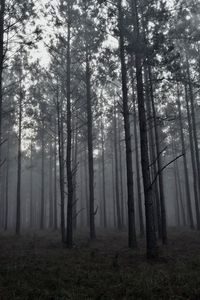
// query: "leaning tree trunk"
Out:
[129,167]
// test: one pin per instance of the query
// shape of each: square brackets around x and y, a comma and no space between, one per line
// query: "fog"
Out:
[99,149]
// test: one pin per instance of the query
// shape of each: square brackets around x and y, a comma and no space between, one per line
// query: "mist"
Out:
[99,149]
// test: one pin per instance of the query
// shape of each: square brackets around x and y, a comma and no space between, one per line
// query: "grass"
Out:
[38,267]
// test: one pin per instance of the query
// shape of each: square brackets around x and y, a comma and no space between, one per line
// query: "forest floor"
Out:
[37,266]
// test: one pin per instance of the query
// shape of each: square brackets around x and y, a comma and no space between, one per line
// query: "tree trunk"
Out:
[7,182]
[121,175]
[70,190]
[2,15]
[19,156]
[187,185]
[139,189]
[31,186]
[55,181]
[42,180]
[159,163]
[103,175]
[119,222]
[192,151]
[61,162]
[50,184]
[129,167]
[90,148]
[196,147]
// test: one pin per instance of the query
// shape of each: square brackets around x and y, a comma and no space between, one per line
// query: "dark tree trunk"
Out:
[75,165]
[31,187]
[159,163]
[121,175]
[119,222]
[187,185]
[113,192]
[86,188]
[2,17]
[131,211]
[90,149]
[180,193]
[19,156]
[55,181]
[50,184]
[196,147]
[42,209]
[192,151]
[70,190]
[61,162]
[152,249]
[139,188]
[103,175]
[177,206]
[7,182]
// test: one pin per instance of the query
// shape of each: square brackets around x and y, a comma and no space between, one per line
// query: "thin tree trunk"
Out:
[121,176]
[139,189]
[86,188]
[75,164]
[159,162]
[55,181]
[152,250]
[187,185]
[177,206]
[61,162]
[180,193]
[90,148]
[70,190]
[103,175]
[50,185]
[2,19]
[42,180]
[7,182]
[19,156]
[31,186]
[131,211]
[119,222]
[196,147]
